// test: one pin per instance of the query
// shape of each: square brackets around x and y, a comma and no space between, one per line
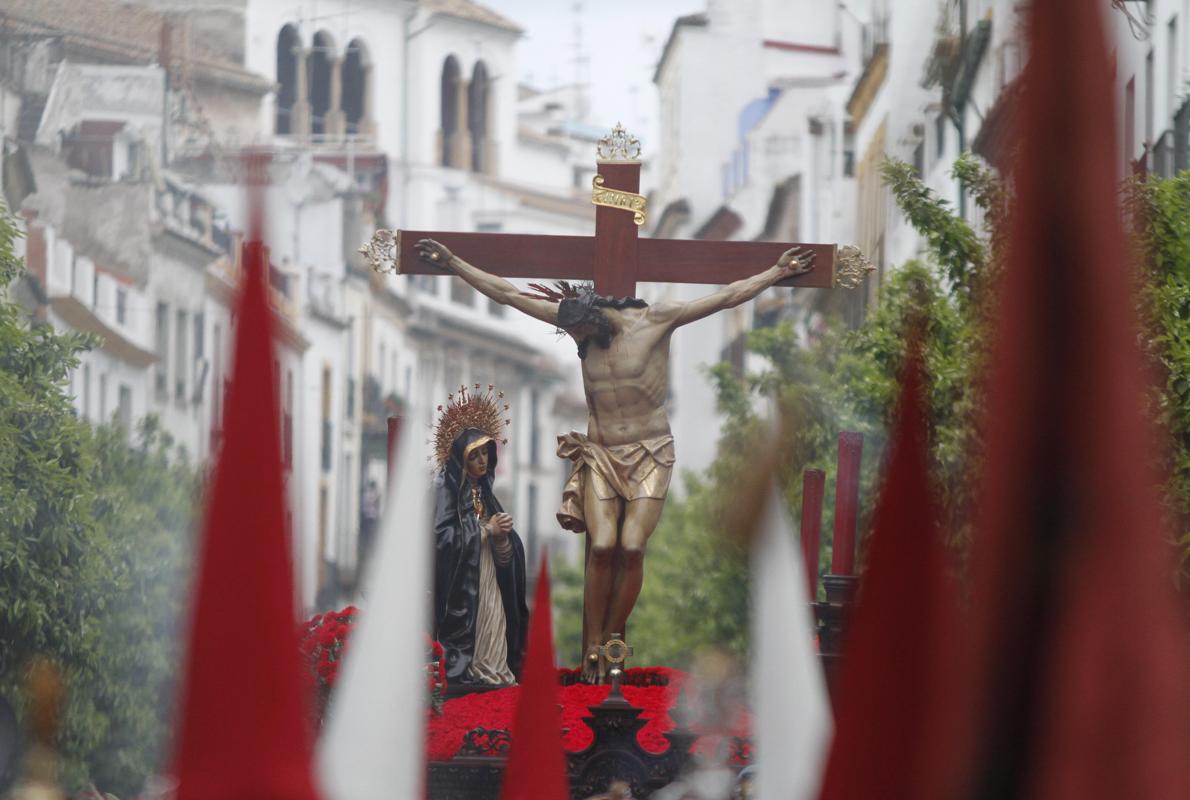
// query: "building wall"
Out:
[380,25]
[106,385]
[733,130]
[1159,89]
[180,289]
[131,94]
[101,382]
[540,164]
[1150,59]
[234,116]
[470,43]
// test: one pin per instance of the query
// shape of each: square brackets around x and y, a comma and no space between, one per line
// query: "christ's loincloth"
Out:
[629,471]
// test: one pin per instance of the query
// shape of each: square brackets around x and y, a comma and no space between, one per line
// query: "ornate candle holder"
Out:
[616,651]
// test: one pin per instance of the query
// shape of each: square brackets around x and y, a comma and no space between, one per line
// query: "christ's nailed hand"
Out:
[501,523]
[433,252]
[796,261]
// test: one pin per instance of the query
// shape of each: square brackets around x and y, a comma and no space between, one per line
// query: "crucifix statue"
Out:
[622,465]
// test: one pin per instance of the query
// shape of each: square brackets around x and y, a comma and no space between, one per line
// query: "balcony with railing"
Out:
[189,215]
[282,284]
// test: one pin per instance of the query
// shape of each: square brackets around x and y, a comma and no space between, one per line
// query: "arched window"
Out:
[288,43]
[477,116]
[318,68]
[355,85]
[450,110]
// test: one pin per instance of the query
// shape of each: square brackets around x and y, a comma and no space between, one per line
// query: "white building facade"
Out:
[754,145]
[124,155]
[942,78]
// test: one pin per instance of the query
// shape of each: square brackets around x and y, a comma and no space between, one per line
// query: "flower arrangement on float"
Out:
[654,690]
[324,640]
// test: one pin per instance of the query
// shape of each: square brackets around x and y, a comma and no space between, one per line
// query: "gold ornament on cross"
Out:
[618,198]
[854,266]
[619,145]
[383,251]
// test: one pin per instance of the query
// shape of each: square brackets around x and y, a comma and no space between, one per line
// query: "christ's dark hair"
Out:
[586,309]
[607,301]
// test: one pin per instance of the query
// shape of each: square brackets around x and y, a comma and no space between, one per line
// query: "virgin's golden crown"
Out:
[470,409]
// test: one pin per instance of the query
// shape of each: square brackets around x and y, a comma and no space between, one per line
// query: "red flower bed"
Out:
[324,646]
[324,640]
[654,689]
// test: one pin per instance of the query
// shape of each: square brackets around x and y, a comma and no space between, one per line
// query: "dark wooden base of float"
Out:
[454,690]
[614,755]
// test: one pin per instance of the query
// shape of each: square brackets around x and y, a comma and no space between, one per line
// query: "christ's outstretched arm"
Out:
[797,261]
[485,283]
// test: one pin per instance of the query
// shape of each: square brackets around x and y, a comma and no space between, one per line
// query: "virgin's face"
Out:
[477,462]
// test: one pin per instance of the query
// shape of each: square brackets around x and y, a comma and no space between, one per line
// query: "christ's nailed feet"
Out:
[592,666]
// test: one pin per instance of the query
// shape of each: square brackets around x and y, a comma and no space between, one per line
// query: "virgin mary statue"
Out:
[480,615]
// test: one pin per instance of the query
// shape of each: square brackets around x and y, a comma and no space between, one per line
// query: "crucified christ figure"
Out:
[622,465]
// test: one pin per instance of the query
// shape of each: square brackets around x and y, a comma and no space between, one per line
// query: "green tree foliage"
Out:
[1162,213]
[92,533]
[697,587]
[145,496]
[566,604]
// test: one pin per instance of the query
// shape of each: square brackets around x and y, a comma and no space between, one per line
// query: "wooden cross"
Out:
[615,258]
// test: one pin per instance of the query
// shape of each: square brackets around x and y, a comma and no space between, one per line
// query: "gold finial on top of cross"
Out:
[619,145]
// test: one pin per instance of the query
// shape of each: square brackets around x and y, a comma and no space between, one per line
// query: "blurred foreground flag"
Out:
[1079,684]
[243,729]
[903,636]
[536,768]
[374,740]
[789,700]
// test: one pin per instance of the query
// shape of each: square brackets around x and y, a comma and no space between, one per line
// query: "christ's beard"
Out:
[603,340]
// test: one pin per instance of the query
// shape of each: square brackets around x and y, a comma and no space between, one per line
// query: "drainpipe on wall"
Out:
[164,57]
[959,118]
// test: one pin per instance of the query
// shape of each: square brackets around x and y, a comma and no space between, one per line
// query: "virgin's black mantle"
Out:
[456,565]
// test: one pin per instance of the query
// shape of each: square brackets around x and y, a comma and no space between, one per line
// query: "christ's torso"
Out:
[627,383]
